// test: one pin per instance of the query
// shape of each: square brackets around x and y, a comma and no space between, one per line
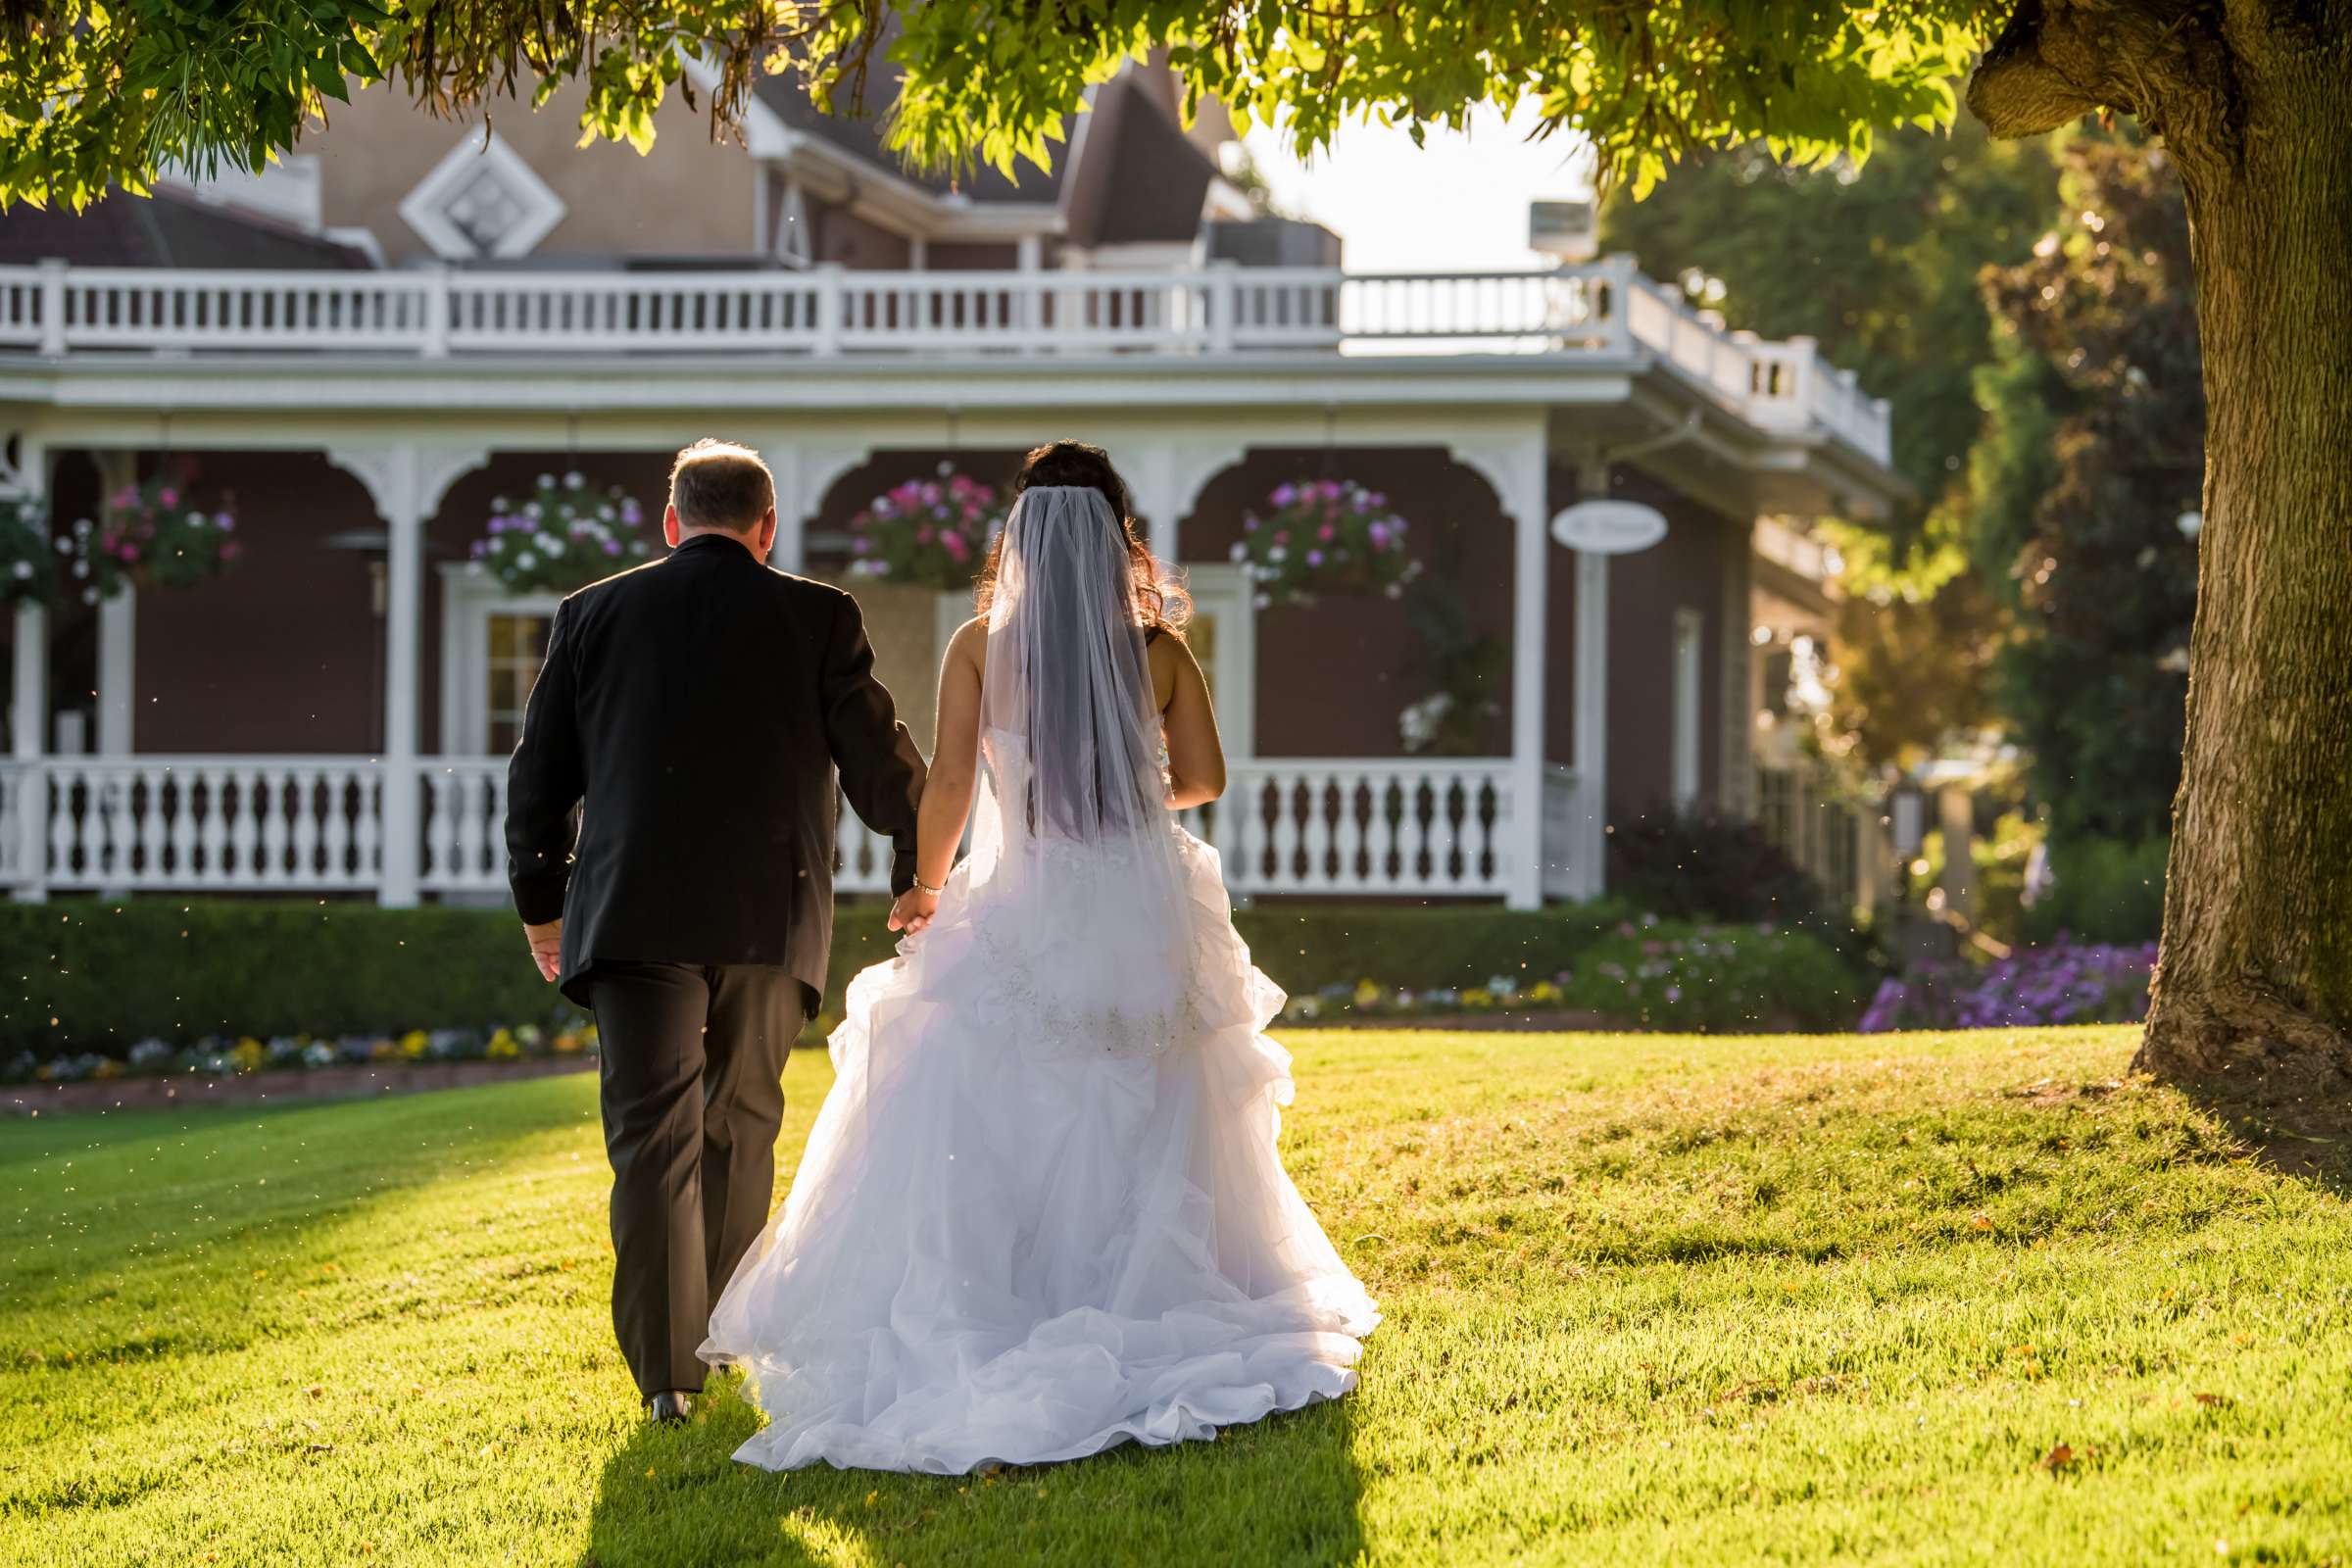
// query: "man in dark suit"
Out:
[692,716]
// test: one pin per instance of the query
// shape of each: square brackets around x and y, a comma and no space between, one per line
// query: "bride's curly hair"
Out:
[1160,601]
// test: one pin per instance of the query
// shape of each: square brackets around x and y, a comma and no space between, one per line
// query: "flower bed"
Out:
[2063,982]
[1648,975]
[218,1056]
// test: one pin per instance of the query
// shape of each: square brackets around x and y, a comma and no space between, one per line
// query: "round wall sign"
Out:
[1609,527]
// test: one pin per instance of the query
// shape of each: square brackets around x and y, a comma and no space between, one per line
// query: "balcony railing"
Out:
[1606,309]
[299,824]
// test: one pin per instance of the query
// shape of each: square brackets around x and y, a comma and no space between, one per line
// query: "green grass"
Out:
[1649,1300]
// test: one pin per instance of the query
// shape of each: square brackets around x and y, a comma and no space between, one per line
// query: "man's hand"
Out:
[913,911]
[547,948]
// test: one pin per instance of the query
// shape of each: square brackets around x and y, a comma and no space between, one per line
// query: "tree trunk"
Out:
[2253,992]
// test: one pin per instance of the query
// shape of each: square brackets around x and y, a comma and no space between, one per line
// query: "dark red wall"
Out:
[282,654]
[1332,676]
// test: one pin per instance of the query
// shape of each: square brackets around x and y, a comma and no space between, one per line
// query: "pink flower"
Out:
[230,550]
[954,544]
[1327,533]
[922,535]
[168,496]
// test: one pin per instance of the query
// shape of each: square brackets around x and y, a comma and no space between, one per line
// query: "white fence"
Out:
[1364,828]
[1606,308]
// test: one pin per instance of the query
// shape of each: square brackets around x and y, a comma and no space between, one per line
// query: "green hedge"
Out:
[86,975]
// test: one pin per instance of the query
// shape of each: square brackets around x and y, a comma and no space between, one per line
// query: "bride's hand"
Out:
[912,910]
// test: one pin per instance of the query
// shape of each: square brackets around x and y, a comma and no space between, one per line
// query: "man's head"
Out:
[721,487]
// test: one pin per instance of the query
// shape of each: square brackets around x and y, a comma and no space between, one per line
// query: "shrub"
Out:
[2102,890]
[100,977]
[1697,865]
[1713,978]
[2063,983]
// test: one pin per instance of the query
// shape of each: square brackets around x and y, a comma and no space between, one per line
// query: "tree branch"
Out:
[2023,85]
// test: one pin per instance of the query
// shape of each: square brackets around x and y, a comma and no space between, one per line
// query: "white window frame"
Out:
[1222,589]
[469,599]
[1689,689]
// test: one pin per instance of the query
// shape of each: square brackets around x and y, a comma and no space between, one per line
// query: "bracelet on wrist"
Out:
[925,888]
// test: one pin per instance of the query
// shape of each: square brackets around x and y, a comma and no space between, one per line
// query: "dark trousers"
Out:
[693,1065]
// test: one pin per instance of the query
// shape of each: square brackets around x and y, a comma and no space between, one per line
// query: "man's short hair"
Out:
[719,484]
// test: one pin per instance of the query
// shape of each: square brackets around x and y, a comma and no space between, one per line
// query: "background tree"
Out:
[2256,976]
[1882,263]
[2093,453]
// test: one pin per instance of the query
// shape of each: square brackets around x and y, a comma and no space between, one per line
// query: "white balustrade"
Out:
[1604,307]
[1353,827]
[202,824]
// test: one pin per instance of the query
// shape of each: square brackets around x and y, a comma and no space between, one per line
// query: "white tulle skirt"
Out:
[1025,1227]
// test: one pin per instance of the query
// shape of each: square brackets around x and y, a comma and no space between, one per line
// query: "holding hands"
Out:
[913,908]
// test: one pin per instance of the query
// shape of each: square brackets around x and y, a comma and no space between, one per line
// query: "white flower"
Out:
[82,526]
[603,514]
[1395,590]
[1239,551]
[1266,601]
[498,504]
[24,570]
[552,545]
[547,481]
[1278,555]
[89,596]
[532,511]
[525,562]
[81,568]
[573,480]
[65,547]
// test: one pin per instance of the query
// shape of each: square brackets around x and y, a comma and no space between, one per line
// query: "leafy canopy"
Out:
[94,93]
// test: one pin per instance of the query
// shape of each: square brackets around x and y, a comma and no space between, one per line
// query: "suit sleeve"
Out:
[545,780]
[881,770]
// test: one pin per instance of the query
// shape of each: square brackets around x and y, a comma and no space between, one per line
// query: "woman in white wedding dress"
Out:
[1042,1212]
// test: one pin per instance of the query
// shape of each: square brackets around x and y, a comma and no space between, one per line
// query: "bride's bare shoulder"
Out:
[969,644]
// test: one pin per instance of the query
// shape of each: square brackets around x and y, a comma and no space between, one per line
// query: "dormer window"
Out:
[793,245]
[482,200]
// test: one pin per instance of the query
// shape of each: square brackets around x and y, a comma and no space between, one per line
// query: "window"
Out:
[481,199]
[517,647]
[492,645]
[1688,628]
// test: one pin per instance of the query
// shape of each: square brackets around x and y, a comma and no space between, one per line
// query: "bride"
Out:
[1041,1212]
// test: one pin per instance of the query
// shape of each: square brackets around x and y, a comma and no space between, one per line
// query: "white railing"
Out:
[224,823]
[1606,307]
[1363,828]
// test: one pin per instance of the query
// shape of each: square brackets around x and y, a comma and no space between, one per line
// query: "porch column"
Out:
[404,613]
[118,634]
[790,552]
[1524,889]
[28,717]
[1592,742]
[407,480]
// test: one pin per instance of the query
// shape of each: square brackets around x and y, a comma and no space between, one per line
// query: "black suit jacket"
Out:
[696,712]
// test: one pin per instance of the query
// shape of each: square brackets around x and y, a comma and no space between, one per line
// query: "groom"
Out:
[691,717]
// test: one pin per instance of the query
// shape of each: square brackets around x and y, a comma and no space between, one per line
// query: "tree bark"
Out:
[2253,992]
[2254,984]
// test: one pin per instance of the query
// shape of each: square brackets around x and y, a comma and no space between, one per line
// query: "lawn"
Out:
[1924,1299]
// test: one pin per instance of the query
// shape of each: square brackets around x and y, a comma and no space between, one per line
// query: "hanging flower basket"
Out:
[1325,536]
[152,533]
[28,561]
[926,533]
[565,536]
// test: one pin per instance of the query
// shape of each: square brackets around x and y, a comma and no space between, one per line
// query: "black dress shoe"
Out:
[670,1408]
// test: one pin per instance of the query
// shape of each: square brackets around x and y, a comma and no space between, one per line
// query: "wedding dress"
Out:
[1042,1212]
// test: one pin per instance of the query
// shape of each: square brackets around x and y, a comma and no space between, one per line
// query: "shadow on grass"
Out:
[1285,1490]
[163,1202]
[2308,1138]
